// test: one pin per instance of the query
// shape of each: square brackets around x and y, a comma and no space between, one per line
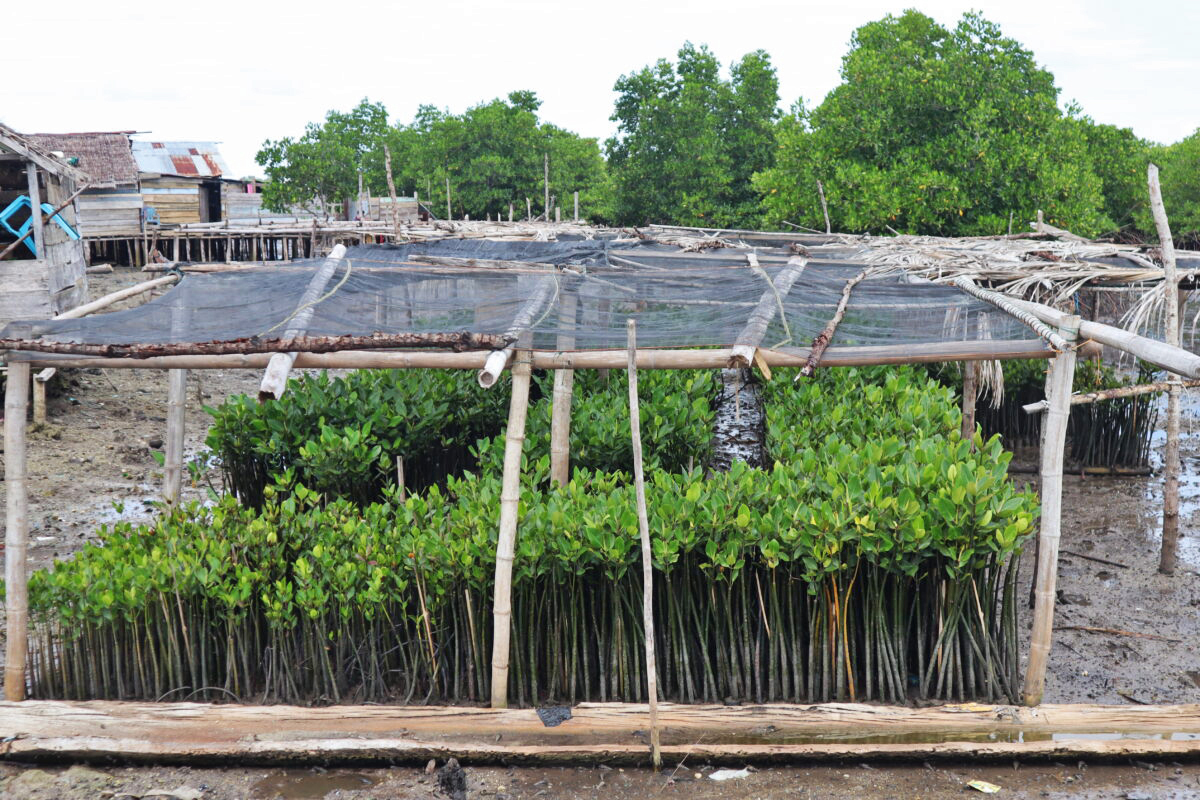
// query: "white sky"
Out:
[241,72]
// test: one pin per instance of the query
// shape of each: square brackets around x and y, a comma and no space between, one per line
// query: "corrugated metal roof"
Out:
[105,157]
[190,159]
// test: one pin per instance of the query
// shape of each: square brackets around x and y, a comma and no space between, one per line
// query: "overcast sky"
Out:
[240,72]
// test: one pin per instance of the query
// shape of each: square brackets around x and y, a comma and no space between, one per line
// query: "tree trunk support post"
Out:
[564,391]
[639,480]
[970,394]
[1059,379]
[1172,302]
[510,494]
[16,538]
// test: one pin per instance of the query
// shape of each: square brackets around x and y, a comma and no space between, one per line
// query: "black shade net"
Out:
[572,295]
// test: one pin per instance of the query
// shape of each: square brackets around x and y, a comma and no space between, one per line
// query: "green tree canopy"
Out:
[321,167]
[689,140]
[1179,174]
[493,154]
[935,131]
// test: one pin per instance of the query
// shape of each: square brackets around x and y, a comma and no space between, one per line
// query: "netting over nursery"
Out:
[572,295]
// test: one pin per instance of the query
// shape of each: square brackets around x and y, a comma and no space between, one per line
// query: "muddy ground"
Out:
[93,463]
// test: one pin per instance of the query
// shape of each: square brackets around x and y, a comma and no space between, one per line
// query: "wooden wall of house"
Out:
[177,200]
[110,212]
[56,281]
[238,206]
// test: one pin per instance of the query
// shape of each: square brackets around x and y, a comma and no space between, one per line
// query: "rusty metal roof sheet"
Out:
[189,159]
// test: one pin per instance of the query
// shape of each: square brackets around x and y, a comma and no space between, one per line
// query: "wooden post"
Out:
[391,184]
[1041,225]
[639,481]
[824,207]
[546,183]
[558,213]
[528,209]
[16,536]
[39,394]
[970,392]
[564,390]
[510,495]
[1173,301]
[510,212]
[577,206]
[447,198]
[176,407]
[35,211]
[1054,438]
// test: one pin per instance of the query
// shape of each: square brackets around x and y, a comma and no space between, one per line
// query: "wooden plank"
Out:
[201,733]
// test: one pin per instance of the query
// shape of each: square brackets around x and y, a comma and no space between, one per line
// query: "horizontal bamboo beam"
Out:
[116,297]
[584,359]
[199,733]
[1112,394]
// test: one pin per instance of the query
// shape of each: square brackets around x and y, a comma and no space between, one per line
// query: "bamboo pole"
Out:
[1111,394]
[856,356]
[510,495]
[771,301]
[1171,463]
[824,207]
[546,184]
[391,184]
[1171,358]
[639,481]
[564,390]
[16,532]
[1054,438]
[1007,305]
[524,320]
[116,297]
[274,381]
[176,408]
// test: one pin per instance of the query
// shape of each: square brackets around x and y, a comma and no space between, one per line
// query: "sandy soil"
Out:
[93,464]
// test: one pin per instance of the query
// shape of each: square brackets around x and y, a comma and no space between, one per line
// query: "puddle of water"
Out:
[304,785]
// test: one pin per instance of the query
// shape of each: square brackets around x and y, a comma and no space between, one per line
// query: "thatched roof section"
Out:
[24,146]
[105,157]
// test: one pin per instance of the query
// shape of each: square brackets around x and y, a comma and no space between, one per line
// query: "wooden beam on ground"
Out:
[583,359]
[199,733]
[274,381]
[16,532]
[1054,440]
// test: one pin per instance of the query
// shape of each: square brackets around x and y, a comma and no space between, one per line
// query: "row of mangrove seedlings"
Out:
[1112,434]
[875,559]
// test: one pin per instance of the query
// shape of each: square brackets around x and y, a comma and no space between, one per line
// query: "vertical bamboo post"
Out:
[16,536]
[824,207]
[391,184]
[510,212]
[546,183]
[1054,437]
[970,393]
[447,198]
[510,494]
[577,206]
[1172,302]
[528,209]
[564,390]
[39,397]
[176,408]
[639,481]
